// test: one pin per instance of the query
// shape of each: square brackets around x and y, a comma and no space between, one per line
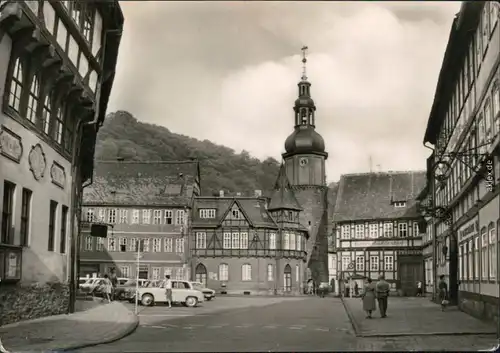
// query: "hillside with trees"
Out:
[221,168]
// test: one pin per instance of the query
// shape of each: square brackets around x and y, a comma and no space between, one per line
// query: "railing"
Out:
[10,263]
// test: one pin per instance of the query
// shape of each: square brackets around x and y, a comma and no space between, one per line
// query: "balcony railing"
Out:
[10,263]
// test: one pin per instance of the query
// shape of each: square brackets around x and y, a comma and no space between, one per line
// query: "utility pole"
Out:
[140,248]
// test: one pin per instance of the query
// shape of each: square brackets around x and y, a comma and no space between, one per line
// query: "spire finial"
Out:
[304,61]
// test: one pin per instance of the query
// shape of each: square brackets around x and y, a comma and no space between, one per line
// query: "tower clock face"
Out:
[303,162]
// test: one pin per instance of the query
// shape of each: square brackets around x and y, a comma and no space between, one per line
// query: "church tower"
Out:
[304,161]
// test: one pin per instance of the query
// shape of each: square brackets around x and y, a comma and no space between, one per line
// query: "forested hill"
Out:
[220,167]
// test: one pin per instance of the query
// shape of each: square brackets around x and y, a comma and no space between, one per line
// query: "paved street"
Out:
[268,324]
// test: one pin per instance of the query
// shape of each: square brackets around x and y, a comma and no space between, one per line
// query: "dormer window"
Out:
[207,213]
[399,204]
[236,214]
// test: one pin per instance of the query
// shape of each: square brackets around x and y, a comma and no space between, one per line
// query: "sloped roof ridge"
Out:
[146,162]
[388,172]
[230,197]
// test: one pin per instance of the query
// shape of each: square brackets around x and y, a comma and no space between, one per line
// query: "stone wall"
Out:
[480,306]
[25,301]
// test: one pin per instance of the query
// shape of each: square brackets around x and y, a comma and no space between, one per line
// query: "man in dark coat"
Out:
[382,292]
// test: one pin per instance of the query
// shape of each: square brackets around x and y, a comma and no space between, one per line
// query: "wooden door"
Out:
[409,274]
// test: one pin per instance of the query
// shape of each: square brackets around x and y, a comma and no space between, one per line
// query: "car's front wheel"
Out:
[208,298]
[191,302]
[147,300]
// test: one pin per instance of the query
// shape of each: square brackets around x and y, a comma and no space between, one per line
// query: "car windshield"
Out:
[82,281]
[198,286]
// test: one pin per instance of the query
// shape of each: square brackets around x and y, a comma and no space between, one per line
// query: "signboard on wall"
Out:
[379,243]
[468,229]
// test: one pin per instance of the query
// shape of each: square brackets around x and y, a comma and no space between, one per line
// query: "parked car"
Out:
[183,292]
[207,292]
[127,290]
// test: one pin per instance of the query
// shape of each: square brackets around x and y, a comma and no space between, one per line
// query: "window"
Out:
[389,263]
[180,217]
[100,244]
[243,240]
[89,243]
[123,244]
[485,20]
[299,242]
[346,261]
[201,240]
[360,228]
[156,216]
[111,244]
[403,230]
[492,251]
[7,212]
[346,232]
[488,119]
[135,216]
[46,111]
[496,106]
[125,271]
[64,222]
[470,261]
[484,254]
[360,263]
[374,262]
[145,245]
[52,225]
[388,230]
[235,240]
[168,217]
[157,245]
[236,214]
[286,241]
[58,126]
[168,245]
[87,22]
[479,50]
[112,216]
[476,258]
[272,241]
[461,256]
[102,215]
[494,14]
[297,273]
[90,215]
[146,216]
[226,242]
[68,133]
[16,86]
[123,216]
[223,272]
[246,272]
[179,245]
[156,273]
[270,272]
[292,241]
[373,230]
[400,204]
[133,244]
[25,216]
[167,271]
[207,213]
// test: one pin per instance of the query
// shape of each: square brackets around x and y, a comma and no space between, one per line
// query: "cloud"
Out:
[228,72]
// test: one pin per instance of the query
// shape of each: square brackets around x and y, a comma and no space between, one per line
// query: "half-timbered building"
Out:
[243,245]
[377,229]
[146,203]
[57,65]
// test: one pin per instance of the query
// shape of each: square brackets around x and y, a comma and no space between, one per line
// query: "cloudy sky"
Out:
[227,72]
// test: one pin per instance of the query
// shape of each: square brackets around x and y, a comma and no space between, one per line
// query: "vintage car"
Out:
[183,292]
[207,292]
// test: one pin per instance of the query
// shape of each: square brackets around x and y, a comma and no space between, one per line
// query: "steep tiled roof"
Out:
[283,196]
[370,195]
[142,183]
[253,208]
[333,190]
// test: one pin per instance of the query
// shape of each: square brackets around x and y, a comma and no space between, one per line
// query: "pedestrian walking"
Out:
[443,292]
[356,289]
[368,297]
[347,289]
[419,289]
[114,282]
[382,292]
[107,287]
[168,290]
[310,287]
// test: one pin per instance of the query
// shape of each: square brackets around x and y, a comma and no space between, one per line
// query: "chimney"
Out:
[221,193]
[258,193]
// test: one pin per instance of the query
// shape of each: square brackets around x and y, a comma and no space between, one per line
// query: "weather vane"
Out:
[304,61]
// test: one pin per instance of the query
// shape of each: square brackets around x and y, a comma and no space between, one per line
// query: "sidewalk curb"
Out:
[350,315]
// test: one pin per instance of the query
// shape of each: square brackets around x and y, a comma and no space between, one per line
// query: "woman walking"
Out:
[107,288]
[443,292]
[368,297]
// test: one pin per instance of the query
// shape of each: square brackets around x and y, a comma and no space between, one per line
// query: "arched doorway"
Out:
[288,278]
[201,274]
